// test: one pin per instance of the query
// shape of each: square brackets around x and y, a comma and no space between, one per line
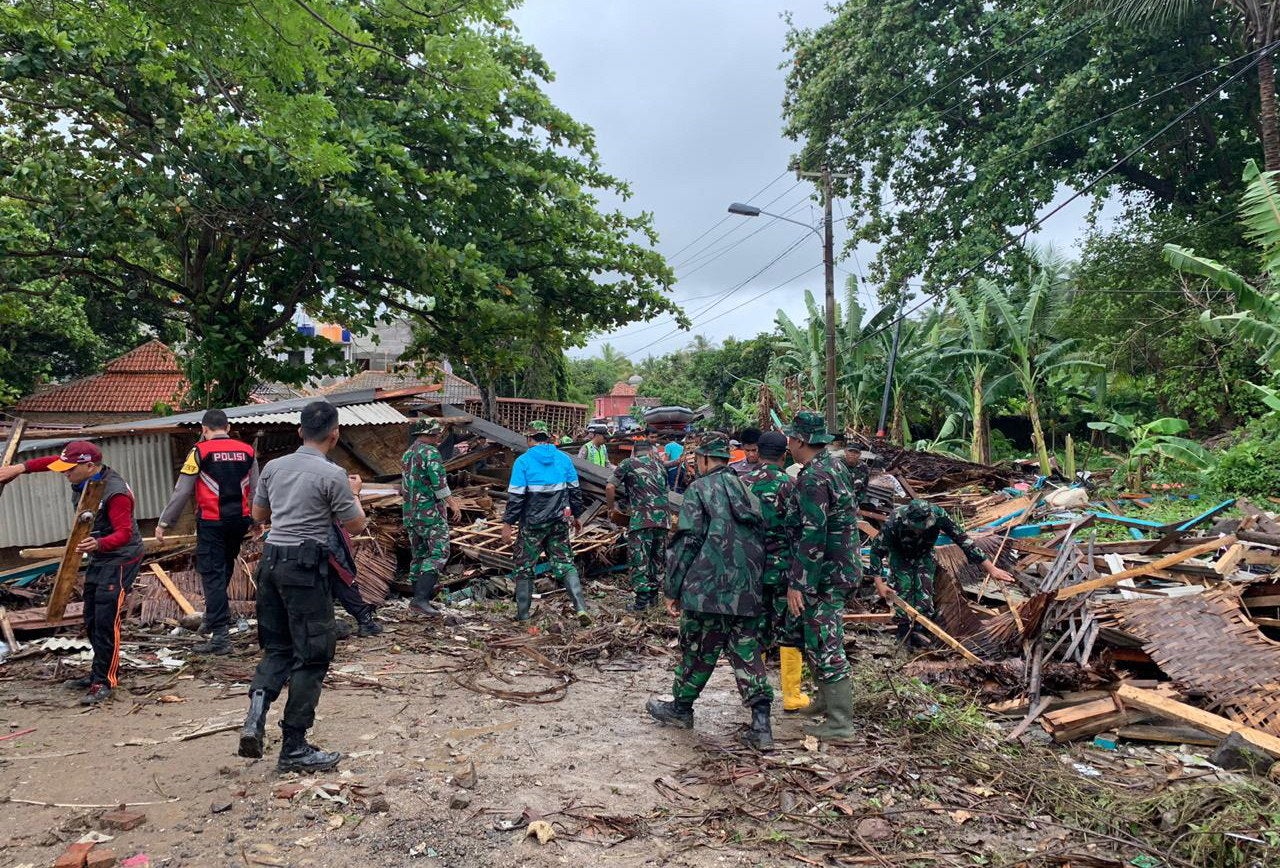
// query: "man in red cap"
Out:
[114,550]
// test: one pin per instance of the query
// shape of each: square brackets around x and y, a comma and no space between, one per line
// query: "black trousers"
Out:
[295,629]
[217,547]
[349,597]
[105,586]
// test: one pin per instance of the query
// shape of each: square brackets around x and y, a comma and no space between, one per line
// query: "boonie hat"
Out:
[918,515]
[76,452]
[810,427]
[714,447]
[426,425]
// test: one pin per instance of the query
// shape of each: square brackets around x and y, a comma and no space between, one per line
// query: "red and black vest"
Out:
[222,489]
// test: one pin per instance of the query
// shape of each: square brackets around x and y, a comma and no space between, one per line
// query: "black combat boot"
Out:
[644,599]
[524,598]
[253,733]
[218,643]
[675,713]
[423,590]
[573,585]
[366,625]
[298,756]
[760,735]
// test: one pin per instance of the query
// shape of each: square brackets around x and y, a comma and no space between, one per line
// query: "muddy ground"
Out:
[441,774]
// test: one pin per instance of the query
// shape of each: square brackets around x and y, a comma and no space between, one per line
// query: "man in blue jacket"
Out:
[544,500]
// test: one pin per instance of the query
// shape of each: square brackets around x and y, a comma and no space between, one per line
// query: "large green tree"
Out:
[959,120]
[405,159]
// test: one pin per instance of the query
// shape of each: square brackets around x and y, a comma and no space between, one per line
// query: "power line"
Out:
[693,257]
[723,219]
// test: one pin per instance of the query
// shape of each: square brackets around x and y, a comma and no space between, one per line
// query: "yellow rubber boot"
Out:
[793,699]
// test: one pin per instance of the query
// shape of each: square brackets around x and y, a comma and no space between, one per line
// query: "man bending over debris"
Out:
[543,498]
[906,541]
[426,494]
[714,574]
[114,549]
[301,494]
[828,566]
[642,481]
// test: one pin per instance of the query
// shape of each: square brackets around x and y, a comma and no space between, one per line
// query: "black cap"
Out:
[772,444]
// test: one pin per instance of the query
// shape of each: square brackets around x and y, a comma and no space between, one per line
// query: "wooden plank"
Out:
[1267,622]
[1164,562]
[151,544]
[1226,564]
[1149,700]
[31,620]
[1100,707]
[64,583]
[6,630]
[943,635]
[15,440]
[178,597]
[1168,734]
[869,617]
[1263,602]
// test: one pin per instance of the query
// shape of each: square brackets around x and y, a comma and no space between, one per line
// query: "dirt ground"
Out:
[615,788]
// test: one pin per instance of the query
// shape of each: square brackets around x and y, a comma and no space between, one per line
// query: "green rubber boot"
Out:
[838,698]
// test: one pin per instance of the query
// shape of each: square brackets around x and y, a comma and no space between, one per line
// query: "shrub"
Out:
[1251,467]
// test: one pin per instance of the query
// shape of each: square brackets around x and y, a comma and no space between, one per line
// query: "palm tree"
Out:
[1261,20]
[977,351]
[1026,334]
[919,380]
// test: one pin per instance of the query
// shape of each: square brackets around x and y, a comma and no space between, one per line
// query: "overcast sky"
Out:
[685,98]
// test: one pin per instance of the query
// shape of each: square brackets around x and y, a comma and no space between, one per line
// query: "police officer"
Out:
[221,473]
[301,494]
[114,549]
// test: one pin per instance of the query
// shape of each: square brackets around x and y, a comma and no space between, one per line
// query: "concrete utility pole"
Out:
[829,267]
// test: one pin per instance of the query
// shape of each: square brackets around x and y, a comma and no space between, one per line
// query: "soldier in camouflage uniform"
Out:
[827,567]
[642,482]
[781,510]
[426,495]
[906,543]
[715,568]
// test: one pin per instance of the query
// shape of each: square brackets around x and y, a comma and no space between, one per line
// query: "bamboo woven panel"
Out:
[1210,648]
[156,605]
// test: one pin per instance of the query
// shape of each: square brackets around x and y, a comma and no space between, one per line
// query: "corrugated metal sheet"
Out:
[36,510]
[377,413]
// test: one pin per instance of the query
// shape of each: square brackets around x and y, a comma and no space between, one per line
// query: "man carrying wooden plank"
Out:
[114,549]
[220,473]
[905,545]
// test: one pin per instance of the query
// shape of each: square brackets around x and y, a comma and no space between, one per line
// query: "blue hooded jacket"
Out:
[543,482]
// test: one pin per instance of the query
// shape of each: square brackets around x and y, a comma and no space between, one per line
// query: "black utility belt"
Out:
[307,554]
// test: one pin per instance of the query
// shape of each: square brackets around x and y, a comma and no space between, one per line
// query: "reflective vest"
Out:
[223,466]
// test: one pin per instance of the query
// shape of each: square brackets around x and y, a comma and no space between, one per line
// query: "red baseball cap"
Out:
[76,452]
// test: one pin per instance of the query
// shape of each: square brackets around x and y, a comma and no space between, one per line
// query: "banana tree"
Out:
[1026,334]
[1155,441]
[920,387]
[980,364]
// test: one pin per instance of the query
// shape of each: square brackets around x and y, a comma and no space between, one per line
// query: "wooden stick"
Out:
[943,635]
[15,440]
[7,630]
[1032,714]
[1149,700]
[178,597]
[64,583]
[151,544]
[1167,561]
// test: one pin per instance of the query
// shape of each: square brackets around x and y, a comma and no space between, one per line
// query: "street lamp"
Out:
[828,262]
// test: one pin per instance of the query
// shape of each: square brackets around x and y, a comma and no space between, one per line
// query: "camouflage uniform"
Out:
[907,541]
[827,561]
[781,512]
[714,569]
[425,491]
[642,488]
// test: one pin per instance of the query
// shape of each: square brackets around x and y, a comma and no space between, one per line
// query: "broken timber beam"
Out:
[1167,561]
[945,637]
[64,583]
[1150,700]
[150,544]
[178,597]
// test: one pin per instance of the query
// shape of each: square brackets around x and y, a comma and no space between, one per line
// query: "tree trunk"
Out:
[1037,432]
[1270,125]
[979,443]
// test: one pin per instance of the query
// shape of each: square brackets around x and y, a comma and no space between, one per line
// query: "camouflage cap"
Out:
[810,427]
[918,515]
[426,425]
[566,440]
[714,447]
[537,426]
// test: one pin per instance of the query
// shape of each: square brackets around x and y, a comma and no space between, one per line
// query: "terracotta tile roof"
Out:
[132,383]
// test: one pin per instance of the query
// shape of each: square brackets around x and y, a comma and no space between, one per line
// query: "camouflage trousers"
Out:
[913,580]
[429,544]
[785,629]
[647,556]
[822,629]
[704,636]
[534,539]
